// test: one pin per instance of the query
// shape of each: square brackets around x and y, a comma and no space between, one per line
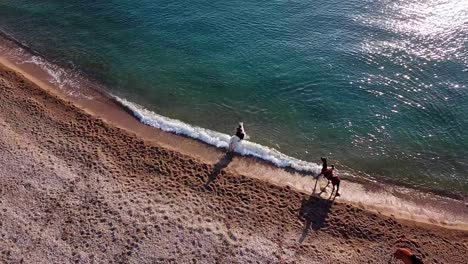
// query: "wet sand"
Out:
[78,189]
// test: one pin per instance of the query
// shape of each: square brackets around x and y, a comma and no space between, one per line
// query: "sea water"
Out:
[378,87]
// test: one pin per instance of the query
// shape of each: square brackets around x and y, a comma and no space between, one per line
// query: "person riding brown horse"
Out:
[328,174]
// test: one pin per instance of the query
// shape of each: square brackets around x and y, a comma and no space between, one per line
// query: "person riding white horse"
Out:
[237,138]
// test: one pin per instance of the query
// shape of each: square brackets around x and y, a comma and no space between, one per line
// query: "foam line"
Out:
[217,139]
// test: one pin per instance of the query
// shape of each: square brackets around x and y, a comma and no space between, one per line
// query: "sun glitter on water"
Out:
[441,26]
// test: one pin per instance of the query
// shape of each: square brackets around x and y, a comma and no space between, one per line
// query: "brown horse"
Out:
[335,180]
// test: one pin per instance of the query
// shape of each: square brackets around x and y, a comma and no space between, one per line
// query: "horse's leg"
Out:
[315,186]
[231,145]
[337,189]
[325,188]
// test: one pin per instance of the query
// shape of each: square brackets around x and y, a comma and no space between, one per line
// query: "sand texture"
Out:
[75,189]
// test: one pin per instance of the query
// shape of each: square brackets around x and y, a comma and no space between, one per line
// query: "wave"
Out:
[217,139]
[58,76]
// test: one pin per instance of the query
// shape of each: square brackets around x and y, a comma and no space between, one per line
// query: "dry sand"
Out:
[75,189]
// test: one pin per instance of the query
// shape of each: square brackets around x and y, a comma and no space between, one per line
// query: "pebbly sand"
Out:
[77,189]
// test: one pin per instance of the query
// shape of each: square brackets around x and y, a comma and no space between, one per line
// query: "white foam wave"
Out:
[217,139]
[58,76]
[67,81]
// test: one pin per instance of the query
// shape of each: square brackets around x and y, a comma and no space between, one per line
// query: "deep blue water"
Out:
[380,87]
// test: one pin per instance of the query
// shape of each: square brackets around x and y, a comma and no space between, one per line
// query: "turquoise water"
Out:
[380,87]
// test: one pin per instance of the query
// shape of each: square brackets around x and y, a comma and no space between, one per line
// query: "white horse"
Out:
[237,138]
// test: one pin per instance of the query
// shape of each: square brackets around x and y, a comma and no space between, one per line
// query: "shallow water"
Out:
[380,87]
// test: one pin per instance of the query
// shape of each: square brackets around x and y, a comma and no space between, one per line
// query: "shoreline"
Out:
[91,96]
[78,187]
[380,197]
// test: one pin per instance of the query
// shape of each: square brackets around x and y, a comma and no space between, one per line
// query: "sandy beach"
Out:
[76,188]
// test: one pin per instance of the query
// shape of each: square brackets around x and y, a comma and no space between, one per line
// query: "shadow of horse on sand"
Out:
[219,166]
[314,211]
